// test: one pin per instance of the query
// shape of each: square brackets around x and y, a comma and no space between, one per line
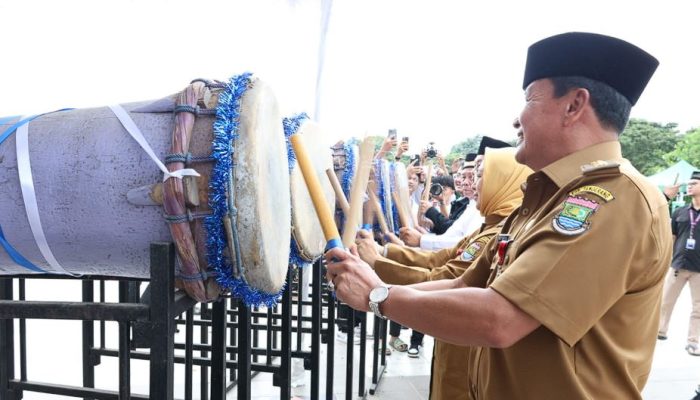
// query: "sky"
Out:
[435,70]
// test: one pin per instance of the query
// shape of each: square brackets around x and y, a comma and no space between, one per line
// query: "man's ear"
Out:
[578,99]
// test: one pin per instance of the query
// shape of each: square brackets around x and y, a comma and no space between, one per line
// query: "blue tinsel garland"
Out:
[226,130]
[379,179]
[348,173]
[394,189]
[291,126]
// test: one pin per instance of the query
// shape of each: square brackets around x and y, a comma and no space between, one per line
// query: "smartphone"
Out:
[404,139]
[392,133]
[415,160]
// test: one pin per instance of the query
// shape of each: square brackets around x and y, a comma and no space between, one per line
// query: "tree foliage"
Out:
[687,148]
[471,145]
[646,143]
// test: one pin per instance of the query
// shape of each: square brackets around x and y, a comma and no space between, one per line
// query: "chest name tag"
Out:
[690,244]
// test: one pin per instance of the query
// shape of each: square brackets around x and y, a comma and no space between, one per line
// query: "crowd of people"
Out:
[539,269]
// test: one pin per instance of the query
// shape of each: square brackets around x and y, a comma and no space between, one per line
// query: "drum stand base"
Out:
[156,317]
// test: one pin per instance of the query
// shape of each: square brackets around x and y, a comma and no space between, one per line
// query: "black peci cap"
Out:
[491,143]
[695,175]
[470,157]
[619,64]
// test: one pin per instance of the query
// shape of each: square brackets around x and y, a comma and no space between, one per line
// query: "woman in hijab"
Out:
[497,184]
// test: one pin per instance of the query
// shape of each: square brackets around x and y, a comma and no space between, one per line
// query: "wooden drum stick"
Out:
[357,192]
[323,211]
[339,194]
[372,191]
[403,218]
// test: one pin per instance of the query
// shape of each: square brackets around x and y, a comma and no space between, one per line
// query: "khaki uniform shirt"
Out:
[586,257]
[449,372]
[407,265]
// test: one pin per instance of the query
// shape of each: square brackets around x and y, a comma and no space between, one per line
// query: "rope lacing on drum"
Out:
[193,110]
[210,84]
[187,158]
[201,276]
[188,217]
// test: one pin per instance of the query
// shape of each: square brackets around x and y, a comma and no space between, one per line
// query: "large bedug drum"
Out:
[97,193]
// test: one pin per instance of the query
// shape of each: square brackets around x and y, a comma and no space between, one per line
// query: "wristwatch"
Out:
[376,297]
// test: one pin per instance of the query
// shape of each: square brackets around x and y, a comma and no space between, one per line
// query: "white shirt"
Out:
[468,222]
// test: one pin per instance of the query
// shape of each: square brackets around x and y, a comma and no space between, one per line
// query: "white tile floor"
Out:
[675,374]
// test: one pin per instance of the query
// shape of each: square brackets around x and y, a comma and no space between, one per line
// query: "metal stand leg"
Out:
[244,367]
[7,345]
[204,369]
[124,348]
[189,334]
[363,351]
[22,336]
[218,351]
[379,358]
[349,362]
[330,348]
[286,356]
[163,337]
[88,339]
[316,329]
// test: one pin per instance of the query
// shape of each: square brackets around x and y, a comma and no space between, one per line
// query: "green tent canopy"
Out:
[668,176]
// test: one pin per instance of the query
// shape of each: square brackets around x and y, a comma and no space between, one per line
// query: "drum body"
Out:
[84,164]
[306,229]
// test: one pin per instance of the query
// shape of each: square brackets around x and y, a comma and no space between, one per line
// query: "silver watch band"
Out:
[375,309]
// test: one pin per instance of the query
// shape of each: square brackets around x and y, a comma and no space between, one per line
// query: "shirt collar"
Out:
[565,169]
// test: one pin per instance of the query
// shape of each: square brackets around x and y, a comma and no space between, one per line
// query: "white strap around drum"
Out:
[135,133]
[26,181]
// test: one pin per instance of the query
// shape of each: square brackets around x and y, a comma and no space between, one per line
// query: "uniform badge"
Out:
[470,252]
[473,250]
[573,218]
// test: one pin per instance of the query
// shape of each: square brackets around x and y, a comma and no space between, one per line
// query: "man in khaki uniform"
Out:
[498,193]
[570,305]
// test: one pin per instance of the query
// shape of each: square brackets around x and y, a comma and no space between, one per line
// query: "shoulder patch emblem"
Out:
[573,218]
[473,250]
[596,190]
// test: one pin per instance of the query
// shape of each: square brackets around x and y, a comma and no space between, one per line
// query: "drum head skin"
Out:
[261,179]
[305,225]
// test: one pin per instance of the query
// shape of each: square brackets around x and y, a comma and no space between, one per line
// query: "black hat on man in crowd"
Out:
[491,143]
[695,175]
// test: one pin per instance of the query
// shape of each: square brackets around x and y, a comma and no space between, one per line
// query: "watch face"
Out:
[378,294]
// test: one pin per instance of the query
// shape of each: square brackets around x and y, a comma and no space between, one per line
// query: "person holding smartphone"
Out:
[389,143]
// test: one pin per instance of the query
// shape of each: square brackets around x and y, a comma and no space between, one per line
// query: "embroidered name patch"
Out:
[596,190]
[573,218]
